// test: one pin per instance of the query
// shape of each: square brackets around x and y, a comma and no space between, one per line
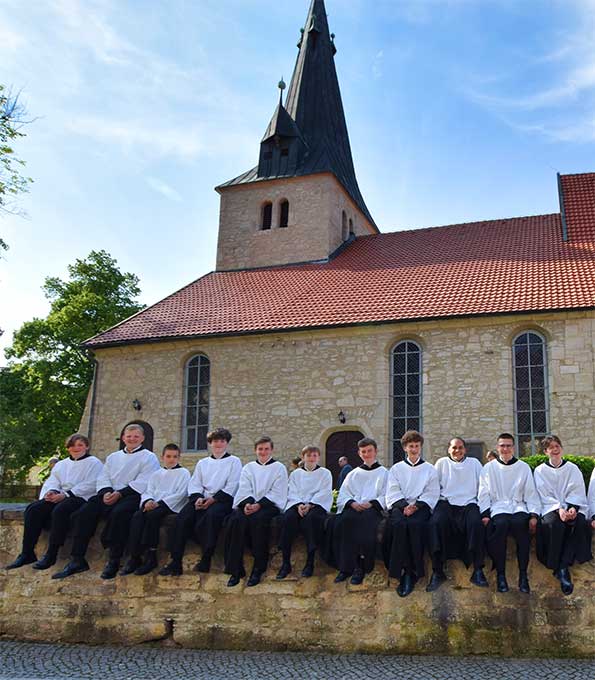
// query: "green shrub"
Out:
[584,463]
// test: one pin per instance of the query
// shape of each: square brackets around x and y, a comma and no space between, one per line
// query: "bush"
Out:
[584,463]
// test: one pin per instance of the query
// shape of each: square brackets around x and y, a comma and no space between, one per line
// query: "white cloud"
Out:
[164,189]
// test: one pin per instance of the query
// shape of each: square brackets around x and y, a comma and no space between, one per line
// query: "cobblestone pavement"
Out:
[31,661]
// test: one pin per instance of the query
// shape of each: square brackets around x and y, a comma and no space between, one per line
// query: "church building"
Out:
[316,328]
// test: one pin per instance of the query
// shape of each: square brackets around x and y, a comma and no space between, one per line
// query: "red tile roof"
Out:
[578,193]
[494,267]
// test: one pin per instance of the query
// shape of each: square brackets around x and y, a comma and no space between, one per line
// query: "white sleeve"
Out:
[151,491]
[345,492]
[104,480]
[575,491]
[196,485]
[394,493]
[52,482]
[277,492]
[483,494]
[233,480]
[431,491]
[381,489]
[547,493]
[149,466]
[531,497]
[592,495]
[245,487]
[324,493]
[86,487]
[293,492]
[176,498]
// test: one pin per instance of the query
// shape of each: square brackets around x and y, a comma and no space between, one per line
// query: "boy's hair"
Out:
[171,447]
[491,454]
[296,461]
[308,449]
[460,439]
[367,441]
[411,436]
[264,440]
[135,426]
[550,439]
[219,433]
[76,437]
[505,435]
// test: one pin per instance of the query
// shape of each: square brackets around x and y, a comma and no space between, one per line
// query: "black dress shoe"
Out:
[173,568]
[406,585]
[341,576]
[565,581]
[284,571]
[308,569]
[76,566]
[524,583]
[204,566]
[357,578]
[436,580]
[254,579]
[22,560]
[478,578]
[502,583]
[111,569]
[130,567]
[233,581]
[148,565]
[47,561]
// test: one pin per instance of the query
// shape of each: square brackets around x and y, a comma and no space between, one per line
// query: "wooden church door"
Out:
[339,444]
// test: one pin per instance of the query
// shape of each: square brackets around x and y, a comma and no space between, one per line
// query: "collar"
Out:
[547,462]
[270,461]
[512,461]
[87,455]
[138,448]
[420,460]
[367,468]
[314,470]
[176,467]
[225,455]
[463,459]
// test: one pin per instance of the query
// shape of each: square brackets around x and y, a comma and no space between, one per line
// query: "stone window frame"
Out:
[266,220]
[282,202]
[193,427]
[410,422]
[526,378]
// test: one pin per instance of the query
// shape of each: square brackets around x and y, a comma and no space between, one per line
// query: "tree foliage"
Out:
[44,387]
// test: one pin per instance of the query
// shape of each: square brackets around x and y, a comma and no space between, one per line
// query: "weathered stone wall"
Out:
[316,203]
[315,614]
[292,385]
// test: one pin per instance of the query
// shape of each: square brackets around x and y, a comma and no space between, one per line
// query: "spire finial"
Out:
[281,85]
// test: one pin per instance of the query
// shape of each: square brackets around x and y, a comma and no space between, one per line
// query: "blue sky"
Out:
[458,110]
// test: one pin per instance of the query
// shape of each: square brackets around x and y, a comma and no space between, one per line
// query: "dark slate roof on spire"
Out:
[314,104]
[281,124]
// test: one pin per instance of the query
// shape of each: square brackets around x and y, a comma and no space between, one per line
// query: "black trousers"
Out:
[517,525]
[405,540]
[115,533]
[203,525]
[254,530]
[456,532]
[144,529]
[351,538]
[311,526]
[560,544]
[53,516]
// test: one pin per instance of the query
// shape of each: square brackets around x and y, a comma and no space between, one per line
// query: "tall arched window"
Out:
[351,232]
[284,213]
[197,382]
[344,227]
[529,360]
[267,216]
[406,393]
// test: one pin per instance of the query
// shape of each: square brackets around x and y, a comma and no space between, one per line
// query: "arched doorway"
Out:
[343,443]
[148,443]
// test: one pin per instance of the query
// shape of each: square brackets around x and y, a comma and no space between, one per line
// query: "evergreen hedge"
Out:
[584,463]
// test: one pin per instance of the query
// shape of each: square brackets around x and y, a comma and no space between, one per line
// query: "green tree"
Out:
[44,387]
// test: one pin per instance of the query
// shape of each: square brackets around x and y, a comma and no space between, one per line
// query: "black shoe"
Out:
[233,581]
[406,585]
[341,576]
[524,582]
[76,566]
[130,567]
[173,568]
[204,566]
[478,578]
[111,569]
[502,583]
[436,580]
[308,569]
[565,581]
[284,571]
[47,561]
[254,579]
[148,565]
[357,578]
[22,560]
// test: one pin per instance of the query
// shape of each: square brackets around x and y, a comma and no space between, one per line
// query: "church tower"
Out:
[302,201]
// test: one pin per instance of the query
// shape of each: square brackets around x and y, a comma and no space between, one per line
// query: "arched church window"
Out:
[197,381]
[529,358]
[284,213]
[351,232]
[405,393]
[267,216]
[344,227]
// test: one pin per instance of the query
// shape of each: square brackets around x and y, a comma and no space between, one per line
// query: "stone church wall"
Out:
[293,385]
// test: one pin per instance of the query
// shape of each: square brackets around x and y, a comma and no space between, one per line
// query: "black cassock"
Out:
[203,525]
[561,544]
[351,539]
[456,532]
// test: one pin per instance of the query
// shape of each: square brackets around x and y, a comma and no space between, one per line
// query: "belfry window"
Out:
[529,358]
[284,213]
[197,381]
[267,216]
[405,393]
[344,229]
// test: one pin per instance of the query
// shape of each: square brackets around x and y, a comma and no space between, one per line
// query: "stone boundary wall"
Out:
[295,614]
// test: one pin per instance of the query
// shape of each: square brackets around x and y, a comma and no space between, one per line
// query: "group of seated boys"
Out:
[455,509]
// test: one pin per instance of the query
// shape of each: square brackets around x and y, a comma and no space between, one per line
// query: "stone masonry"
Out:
[293,385]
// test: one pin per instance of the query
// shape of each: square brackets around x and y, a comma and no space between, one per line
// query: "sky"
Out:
[458,110]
